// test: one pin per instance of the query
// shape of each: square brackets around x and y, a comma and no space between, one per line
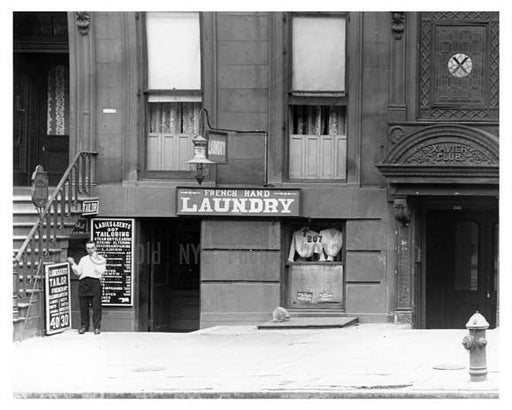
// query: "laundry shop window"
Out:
[314,274]
[317,140]
[174,97]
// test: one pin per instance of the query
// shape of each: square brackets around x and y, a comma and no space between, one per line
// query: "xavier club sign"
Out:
[238,202]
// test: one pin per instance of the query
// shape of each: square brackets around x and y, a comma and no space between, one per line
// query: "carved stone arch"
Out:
[439,153]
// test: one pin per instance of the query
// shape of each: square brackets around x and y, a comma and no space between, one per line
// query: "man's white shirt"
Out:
[87,268]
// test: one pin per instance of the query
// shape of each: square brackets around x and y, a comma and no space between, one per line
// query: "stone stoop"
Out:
[28,315]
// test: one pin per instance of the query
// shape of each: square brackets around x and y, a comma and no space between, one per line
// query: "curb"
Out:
[285,394]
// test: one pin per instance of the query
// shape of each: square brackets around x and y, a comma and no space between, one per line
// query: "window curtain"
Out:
[58,101]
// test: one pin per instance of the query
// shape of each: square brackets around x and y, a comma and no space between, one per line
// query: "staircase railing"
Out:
[76,180]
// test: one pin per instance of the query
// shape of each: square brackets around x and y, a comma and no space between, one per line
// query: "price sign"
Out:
[114,239]
[57,298]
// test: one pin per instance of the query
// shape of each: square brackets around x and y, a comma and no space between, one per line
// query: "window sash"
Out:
[173,51]
[172,126]
[318,54]
[317,143]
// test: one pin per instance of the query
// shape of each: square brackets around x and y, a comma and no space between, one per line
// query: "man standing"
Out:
[90,269]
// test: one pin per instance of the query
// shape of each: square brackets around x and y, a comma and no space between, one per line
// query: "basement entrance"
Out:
[171,255]
[461,265]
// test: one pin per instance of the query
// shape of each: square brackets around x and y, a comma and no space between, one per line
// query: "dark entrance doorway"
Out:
[173,257]
[41,95]
[461,266]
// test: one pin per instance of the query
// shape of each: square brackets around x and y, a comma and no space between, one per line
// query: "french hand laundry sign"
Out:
[238,202]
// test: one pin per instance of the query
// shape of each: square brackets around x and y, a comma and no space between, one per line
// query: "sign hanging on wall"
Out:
[238,202]
[114,239]
[57,298]
[218,146]
[90,207]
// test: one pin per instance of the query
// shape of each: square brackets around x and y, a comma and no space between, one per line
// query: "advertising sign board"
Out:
[57,297]
[114,239]
[238,202]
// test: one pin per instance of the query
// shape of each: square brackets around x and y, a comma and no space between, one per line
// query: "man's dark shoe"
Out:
[82,330]
[97,331]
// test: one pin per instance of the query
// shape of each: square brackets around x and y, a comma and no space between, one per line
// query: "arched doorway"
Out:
[444,183]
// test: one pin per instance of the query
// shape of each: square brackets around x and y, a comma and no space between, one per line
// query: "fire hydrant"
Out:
[476,343]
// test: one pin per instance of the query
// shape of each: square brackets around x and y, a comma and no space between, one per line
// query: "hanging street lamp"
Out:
[200,160]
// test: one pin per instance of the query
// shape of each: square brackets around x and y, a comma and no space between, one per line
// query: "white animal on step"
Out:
[280,314]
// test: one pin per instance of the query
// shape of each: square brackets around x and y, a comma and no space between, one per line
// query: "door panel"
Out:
[185,310]
[41,100]
[460,267]
[175,264]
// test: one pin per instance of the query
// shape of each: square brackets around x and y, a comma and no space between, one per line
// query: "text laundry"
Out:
[239,205]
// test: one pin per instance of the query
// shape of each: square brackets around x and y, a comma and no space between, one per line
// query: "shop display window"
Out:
[315,265]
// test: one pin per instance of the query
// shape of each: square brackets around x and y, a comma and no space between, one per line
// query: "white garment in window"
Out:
[332,241]
[305,242]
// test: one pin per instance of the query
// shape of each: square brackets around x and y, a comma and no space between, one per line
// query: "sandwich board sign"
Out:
[57,297]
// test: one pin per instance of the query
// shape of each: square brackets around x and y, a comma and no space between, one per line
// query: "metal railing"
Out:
[76,180]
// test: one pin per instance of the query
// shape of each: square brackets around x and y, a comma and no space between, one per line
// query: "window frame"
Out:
[146,92]
[330,98]
[294,224]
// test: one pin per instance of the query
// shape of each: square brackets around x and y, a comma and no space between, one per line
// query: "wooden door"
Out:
[41,115]
[185,306]
[461,267]
[160,259]
[173,253]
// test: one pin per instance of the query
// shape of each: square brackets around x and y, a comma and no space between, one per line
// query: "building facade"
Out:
[362,159]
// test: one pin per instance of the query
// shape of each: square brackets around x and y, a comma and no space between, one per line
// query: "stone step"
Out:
[24,228]
[61,242]
[23,305]
[22,204]
[30,277]
[29,251]
[54,255]
[24,198]
[29,299]
[26,217]
[28,209]
[28,263]
[310,323]
[31,291]
[316,313]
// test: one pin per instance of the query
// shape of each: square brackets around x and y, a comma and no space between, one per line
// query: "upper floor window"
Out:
[174,89]
[317,112]
[318,50]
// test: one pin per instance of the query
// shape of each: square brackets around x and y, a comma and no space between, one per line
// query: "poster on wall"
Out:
[57,298]
[114,240]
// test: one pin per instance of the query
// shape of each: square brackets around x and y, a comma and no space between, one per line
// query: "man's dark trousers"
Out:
[89,290]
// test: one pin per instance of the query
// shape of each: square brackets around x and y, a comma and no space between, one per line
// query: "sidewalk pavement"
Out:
[361,361]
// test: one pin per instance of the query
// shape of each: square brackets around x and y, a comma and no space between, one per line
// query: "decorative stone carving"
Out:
[398,24]
[458,152]
[403,313]
[474,97]
[395,133]
[449,153]
[401,211]
[447,145]
[83,21]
